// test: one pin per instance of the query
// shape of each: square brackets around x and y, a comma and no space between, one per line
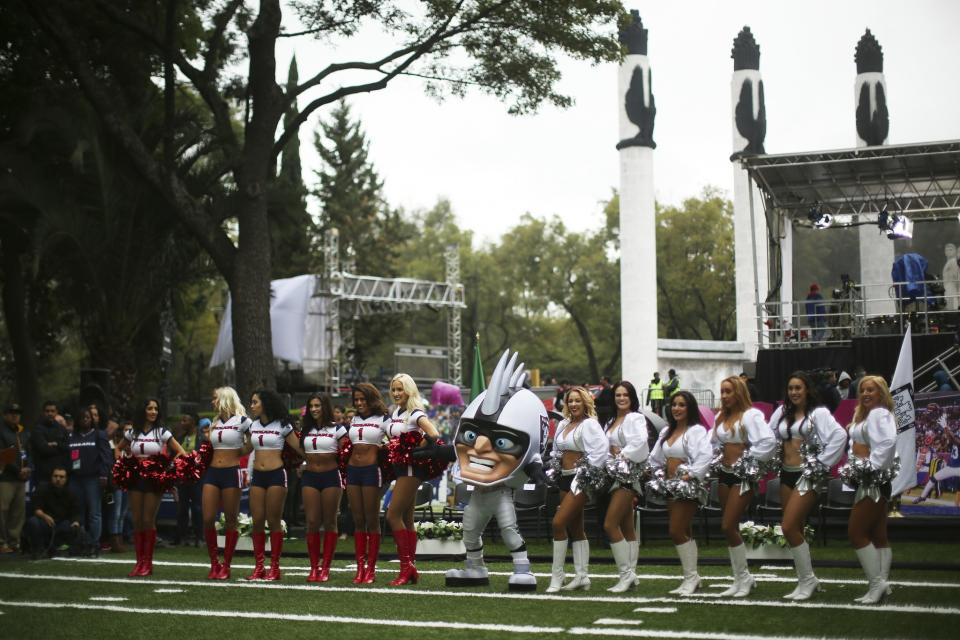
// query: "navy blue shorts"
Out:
[144,486]
[417,471]
[223,477]
[727,478]
[566,482]
[321,480]
[266,479]
[365,476]
[790,478]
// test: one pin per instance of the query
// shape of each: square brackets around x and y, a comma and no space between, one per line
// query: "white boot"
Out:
[886,557]
[557,574]
[688,560]
[621,555]
[743,582]
[581,562]
[634,557]
[807,583]
[870,561]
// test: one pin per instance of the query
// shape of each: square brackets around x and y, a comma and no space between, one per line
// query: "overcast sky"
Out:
[494,167]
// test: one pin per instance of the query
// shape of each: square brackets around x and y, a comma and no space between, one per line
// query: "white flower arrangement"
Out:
[439,530]
[244,525]
[757,535]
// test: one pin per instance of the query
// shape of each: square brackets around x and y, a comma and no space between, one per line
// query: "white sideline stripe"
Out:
[259,584]
[656,609]
[885,608]
[692,635]
[759,577]
[616,621]
[108,598]
[298,617]
[168,590]
[775,567]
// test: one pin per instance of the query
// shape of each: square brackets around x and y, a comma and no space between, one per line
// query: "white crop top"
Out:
[324,439]
[144,445]
[693,447]
[269,437]
[229,434]
[819,422]
[879,432]
[750,430]
[369,430]
[587,438]
[630,437]
[404,422]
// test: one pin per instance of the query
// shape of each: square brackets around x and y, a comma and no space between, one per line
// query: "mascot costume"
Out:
[498,447]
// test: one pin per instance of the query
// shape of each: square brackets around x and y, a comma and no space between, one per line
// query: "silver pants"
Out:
[485,504]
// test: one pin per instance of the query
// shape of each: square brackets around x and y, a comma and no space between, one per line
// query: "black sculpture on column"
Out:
[639,112]
[873,121]
[746,56]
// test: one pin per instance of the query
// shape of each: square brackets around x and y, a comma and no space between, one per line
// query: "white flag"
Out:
[901,387]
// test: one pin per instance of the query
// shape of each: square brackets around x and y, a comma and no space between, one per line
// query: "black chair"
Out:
[838,502]
[651,506]
[531,503]
[461,497]
[711,510]
[424,502]
[771,503]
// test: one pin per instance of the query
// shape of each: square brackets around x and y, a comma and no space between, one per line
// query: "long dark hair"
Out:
[790,409]
[272,406]
[140,419]
[372,395]
[326,413]
[631,392]
[693,412]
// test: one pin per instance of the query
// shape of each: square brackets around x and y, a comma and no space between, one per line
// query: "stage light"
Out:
[818,218]
[900,227]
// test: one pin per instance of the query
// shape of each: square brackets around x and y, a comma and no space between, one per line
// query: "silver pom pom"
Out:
[552,471]
[866,478]
[590,479]
[625,473]
[749,470]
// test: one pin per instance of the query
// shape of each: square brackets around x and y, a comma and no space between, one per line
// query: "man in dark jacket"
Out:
[48,444]
[605,405]
[14,473]
[56,518]
[90,463]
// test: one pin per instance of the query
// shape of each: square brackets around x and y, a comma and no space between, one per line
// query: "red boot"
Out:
[400,537]
[149,538]
[329,546]
[313,549]
[360,551]
[210,535]
[373,550]
[276,546]
[138,547]
[229,544]
[259,543]
[412,552]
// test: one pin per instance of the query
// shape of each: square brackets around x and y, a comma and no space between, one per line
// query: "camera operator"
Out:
[56,515]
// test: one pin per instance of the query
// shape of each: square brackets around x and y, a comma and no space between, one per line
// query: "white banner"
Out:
[901,387]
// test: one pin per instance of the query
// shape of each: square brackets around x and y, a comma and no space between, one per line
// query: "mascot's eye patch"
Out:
[502,439]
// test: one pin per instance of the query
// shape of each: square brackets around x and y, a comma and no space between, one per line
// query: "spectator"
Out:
[828,392]
[13,479]
[843,385]
[605,406]
[56,515]
[943,380]
[816,312]
[339,415]
[673,384]
[561,394]
[189,494]
[119,505]
[90,464]
[858,373]
[99,417]
[751,387]
[48,444]
[67,422]
[655,393]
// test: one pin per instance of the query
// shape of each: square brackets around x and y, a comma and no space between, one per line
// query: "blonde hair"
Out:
[414,401]
[886,400]
[741,402]
[227,403]
[589,408]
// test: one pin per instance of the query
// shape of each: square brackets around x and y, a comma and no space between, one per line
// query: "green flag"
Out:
[477,384]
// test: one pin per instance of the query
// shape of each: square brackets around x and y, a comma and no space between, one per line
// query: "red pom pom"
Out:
[123,471]
[343,457]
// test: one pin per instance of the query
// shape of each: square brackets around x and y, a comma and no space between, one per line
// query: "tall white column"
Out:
[749,224]
[638,258]
[873,124]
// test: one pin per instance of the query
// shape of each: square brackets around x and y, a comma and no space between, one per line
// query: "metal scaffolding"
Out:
[350,296]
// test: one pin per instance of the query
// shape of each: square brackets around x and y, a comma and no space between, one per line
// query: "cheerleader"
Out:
[223,480]
[147,438]
[801,421]
[627,440]
[321,482]
[367,429]
[684,442]
[739,431]
[407,417]
[271,429]
[578,436]
[873,437]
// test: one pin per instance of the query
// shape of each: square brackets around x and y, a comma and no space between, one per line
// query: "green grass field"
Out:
[93,598]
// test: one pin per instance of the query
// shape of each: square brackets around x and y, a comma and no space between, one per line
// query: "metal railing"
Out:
[705,397]
[860,310]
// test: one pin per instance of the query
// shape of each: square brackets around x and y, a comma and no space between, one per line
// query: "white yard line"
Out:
[776,567]
[789,604]
[618,621]
[656,609]
[108,598]
[168,590]
[692,635]
[297,617]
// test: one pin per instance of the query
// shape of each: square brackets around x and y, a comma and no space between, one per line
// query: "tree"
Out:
[696,292]
[505,48]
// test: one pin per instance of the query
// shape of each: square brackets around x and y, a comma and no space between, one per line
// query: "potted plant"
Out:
[767,542]
[244,528]
[440,538]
